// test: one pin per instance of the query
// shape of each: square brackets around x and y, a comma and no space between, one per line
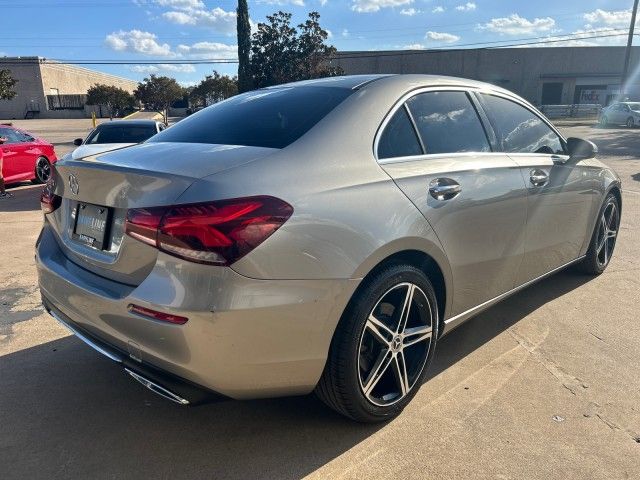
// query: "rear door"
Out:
[474,198]
[560,193]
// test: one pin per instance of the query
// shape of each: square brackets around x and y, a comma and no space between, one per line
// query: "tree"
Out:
[158,93]
[281,53]
[7,82]
[244,47]
[116,99]
[214,88]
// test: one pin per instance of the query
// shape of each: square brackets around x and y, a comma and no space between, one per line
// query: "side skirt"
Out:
[459,319]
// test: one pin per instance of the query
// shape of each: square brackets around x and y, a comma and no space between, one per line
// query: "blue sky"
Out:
[153,30]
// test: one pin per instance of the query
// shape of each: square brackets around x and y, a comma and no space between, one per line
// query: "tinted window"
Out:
[448,123]
[399,137]
[520,130]
[11,135]
[121,134]
[265,118]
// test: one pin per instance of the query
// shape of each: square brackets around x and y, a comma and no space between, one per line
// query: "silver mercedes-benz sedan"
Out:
[320,235]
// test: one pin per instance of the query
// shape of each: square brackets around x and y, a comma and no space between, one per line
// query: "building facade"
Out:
[544,76]
[48,89]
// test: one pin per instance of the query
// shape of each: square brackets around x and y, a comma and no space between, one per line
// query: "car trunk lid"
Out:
[98,190]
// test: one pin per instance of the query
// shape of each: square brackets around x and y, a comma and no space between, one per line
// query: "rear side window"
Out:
[399,137]
[519,130]
[448,123]
[271,118]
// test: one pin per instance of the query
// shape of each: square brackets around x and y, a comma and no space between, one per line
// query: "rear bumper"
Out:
[161,382]
[245,338]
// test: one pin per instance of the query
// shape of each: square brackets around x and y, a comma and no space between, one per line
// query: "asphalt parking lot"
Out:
[543,385]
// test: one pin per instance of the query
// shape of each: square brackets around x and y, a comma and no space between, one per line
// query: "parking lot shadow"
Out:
[26,198]
[67,412]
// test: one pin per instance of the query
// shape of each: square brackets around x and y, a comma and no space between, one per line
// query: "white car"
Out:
[621,113]
[113,136]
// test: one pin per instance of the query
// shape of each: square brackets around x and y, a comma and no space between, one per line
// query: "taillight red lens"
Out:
[218,233]
[161,316]
[49,201]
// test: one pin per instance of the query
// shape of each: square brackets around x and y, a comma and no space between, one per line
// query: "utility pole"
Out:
[627,53]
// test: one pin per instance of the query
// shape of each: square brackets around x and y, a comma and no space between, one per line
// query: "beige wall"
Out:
[36,79]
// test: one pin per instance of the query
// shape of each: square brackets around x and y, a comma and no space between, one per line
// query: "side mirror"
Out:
[580,149]
[77,142]
[2,140]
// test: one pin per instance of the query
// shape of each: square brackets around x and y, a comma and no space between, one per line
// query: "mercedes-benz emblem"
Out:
[73,184]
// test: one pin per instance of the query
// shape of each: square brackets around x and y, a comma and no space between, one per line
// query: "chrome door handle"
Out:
[538,178]
[444,188]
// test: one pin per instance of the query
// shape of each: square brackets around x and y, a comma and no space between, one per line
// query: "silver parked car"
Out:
[321,235]
[621,113]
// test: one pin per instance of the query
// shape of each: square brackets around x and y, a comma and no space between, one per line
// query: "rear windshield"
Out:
[271,118]
[121,134]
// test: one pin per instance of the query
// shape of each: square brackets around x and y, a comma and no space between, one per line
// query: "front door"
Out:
[559,192]
[474,199]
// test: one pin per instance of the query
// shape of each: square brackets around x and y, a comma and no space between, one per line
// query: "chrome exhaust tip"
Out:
[158,389]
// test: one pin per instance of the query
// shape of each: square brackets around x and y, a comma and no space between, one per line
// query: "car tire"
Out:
[356,351]
[603,239]
[42,170]
[630,123]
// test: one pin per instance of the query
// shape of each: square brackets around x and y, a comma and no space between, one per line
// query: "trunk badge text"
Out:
[73,184]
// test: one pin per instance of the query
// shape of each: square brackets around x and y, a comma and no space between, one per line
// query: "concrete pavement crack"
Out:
[573,384]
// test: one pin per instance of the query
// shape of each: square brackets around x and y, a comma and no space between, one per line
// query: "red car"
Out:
[25,156]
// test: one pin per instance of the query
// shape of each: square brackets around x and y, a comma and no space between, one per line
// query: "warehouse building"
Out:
[48,89]
[544,76]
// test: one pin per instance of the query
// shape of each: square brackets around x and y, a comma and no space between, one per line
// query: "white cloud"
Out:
[208,50]
[442,37]
[181,4]
[517,25]
[410,12]
[166,67]
[438,9]
[413,46]
[218,19]
[297,3]
[467,7]
[367,6]
[613,18]
[345,33]
[137,41]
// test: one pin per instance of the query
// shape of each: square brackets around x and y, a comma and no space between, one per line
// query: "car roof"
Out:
[393,81]
[349,82]
[129,123]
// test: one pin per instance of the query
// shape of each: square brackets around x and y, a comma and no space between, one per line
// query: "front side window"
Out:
[399,137]
[448,123]
[519,130]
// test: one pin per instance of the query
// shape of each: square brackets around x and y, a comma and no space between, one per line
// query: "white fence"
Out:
[577,110]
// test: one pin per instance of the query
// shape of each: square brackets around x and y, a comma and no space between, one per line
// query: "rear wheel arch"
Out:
[427,264]
[618,193]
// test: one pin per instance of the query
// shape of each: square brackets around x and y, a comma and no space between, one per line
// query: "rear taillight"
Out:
[49,201]
[217,233]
